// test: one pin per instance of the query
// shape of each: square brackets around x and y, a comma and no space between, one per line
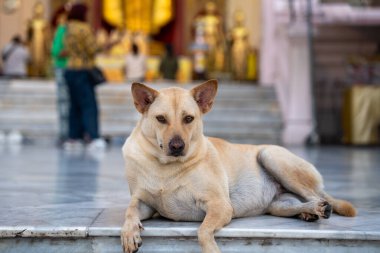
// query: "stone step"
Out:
[241,112]
[157,239]
[237,124]
[228,90]
[38,131]
[123,117]
[38,99]
[127,111]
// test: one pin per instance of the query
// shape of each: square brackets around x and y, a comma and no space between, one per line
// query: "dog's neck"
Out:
[196,151]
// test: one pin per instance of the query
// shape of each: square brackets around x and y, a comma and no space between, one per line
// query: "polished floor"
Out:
[46,191]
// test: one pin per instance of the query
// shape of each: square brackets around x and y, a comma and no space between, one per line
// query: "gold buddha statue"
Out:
[38,41]
[137,19]
[240,46]
[213,36]
[147,16]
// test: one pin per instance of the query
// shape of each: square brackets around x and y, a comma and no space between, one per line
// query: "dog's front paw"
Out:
[130,236]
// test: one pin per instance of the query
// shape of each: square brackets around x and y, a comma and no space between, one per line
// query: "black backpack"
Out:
[6,55]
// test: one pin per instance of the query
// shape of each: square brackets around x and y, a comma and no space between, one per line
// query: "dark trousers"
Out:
[63,105]
[83,116]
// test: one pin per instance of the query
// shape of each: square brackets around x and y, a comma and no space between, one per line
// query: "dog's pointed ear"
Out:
[143,96]
[204,94]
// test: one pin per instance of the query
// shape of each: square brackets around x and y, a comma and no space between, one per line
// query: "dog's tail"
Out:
[341,207]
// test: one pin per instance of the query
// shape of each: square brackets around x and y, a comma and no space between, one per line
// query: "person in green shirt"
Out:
[60,60]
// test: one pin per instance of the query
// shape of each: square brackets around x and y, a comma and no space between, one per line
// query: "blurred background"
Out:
[292,72]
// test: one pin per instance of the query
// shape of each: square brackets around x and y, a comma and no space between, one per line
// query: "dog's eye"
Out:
[188,119]
[161,119]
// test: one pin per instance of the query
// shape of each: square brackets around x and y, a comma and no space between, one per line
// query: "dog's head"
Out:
[172,118]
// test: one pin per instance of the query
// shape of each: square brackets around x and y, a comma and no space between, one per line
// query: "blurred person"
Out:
[169,64]
[15,58]
[59,56]
[135,65]
[81,47]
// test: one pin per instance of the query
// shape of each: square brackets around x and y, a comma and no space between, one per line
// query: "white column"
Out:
[297,113]
[285,64]
[268,44]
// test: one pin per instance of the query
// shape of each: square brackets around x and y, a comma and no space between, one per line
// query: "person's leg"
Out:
[63,104]
[73,80]
[89,108]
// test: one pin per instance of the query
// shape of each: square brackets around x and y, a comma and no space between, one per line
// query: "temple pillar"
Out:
[298,112]
[95,13]
[285,64]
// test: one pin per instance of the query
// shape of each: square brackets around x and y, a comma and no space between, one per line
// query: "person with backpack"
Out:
[15,58]
[81,47]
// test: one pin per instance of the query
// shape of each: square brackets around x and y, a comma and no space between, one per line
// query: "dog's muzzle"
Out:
[176,146]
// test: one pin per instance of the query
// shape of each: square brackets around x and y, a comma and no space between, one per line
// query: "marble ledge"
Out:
[43,232]
[81,232]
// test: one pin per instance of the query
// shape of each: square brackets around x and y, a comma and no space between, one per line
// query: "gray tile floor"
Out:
[44,188]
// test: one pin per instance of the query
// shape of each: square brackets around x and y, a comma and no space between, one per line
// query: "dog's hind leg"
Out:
[293,173]
[288,205]
[296,176]
[299,177]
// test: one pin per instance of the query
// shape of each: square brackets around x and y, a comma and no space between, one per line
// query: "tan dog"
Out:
[174,170]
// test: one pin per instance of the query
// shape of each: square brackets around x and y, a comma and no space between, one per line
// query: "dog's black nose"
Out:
[176,146]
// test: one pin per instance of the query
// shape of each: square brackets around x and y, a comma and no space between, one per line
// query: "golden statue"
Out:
[213,35]
[240,46]
[146,16]
[38,41]
[138,19]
